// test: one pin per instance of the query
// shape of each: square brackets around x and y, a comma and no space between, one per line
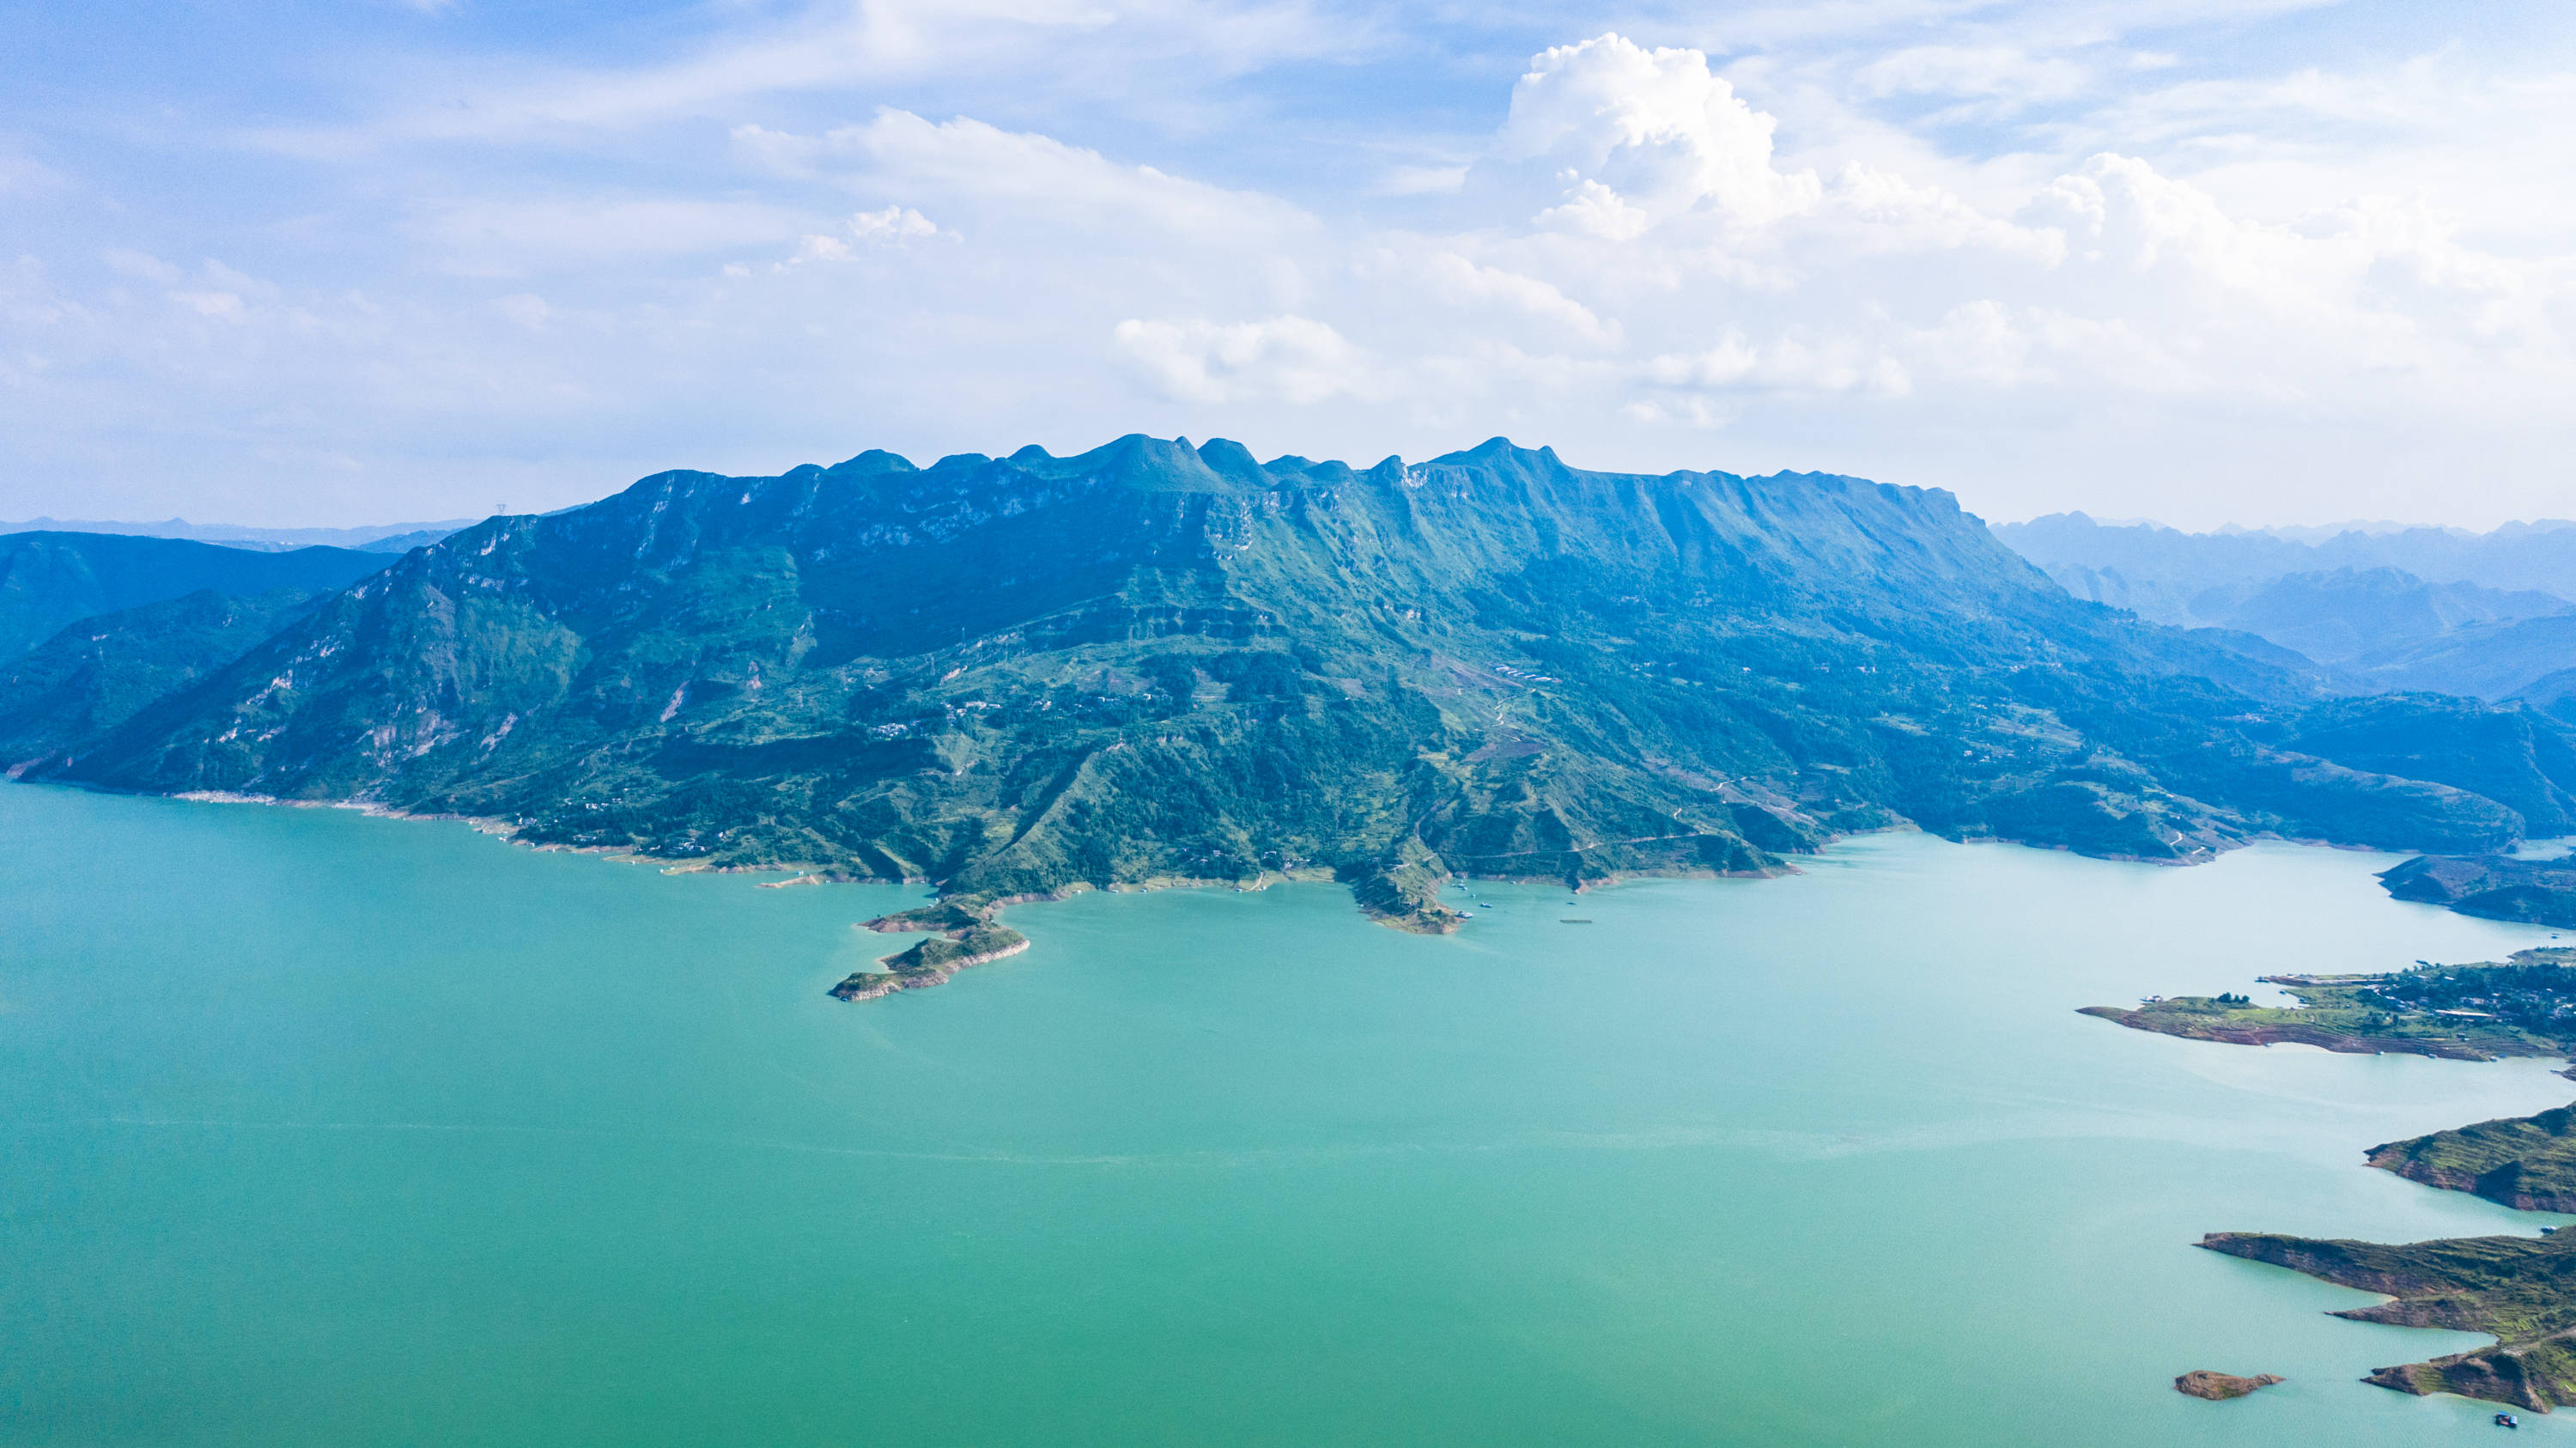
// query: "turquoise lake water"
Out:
[327,1129]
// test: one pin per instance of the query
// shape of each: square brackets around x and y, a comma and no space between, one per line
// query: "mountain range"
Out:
[1155,662]
[50,580]
[373,538]
[2491,615]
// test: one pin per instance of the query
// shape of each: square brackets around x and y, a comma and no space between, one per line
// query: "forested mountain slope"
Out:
[96,672]
[1154,662]
[48,580]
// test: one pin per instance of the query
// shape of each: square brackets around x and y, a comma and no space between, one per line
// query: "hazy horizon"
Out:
[2300,531]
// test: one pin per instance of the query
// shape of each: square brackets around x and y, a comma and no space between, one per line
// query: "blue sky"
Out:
[2254,262]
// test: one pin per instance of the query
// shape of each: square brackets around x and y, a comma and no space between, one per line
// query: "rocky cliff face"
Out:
[2495,887]
[1154,661]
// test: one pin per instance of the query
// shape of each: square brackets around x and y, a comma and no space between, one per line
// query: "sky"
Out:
[2205,261]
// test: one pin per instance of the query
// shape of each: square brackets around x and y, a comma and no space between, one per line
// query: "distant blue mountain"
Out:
[377,538]
[2416,608]
[48,580]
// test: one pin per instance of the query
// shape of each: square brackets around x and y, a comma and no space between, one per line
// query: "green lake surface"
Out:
[317,1128]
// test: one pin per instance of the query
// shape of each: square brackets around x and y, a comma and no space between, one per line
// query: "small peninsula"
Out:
[965,934]
[2524,1162]
[2523,1006]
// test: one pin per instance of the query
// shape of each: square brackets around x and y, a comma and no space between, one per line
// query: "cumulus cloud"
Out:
[895,224]
[1638,136]
[1291,359]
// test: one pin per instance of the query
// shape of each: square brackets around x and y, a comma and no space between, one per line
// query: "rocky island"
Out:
[2219,1387]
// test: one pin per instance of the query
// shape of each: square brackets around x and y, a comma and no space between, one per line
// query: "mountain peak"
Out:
[1231,459]
[874,461]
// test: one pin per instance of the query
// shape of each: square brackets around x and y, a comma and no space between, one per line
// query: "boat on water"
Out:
[2507,1420]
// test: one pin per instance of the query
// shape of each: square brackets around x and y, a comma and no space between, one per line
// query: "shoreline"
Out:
[812,873]
[2513,1288]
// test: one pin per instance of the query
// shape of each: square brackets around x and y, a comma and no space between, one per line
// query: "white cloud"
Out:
[525,308]
[141,264]
[894,227]
[224,306]
[1638,136]
[1885,212]
[1027,177]
[485,236]
[820,248]
[1292,359]
[1988,72]
[1460,282]
[837,45]
[1422,180]
[22,174]
[895,224]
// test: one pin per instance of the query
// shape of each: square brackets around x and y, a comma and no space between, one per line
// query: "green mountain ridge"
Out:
[50,580]
[98,672]
[1155,662]
[2535,892]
